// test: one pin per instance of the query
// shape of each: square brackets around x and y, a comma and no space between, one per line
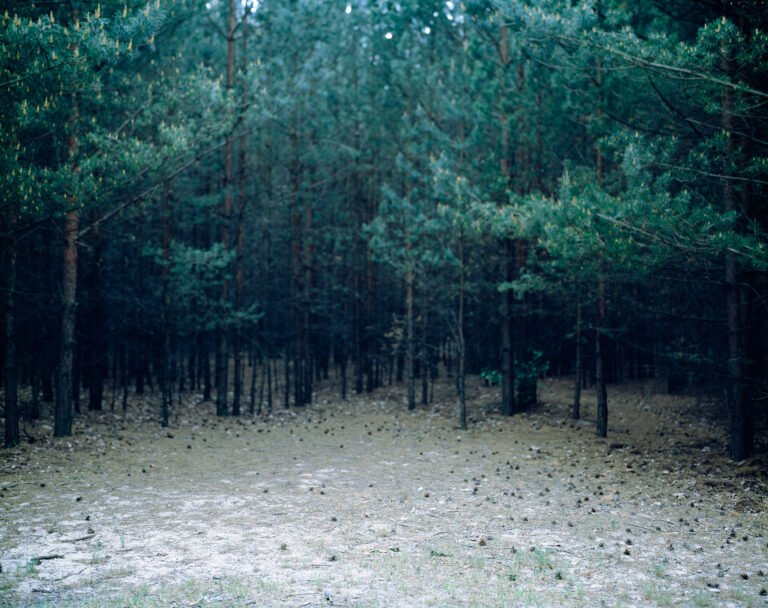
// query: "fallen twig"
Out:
[38,560]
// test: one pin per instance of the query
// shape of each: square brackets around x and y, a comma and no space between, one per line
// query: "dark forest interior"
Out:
[383,191]
[515,245]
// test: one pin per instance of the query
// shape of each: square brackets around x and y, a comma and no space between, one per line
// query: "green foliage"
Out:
[527,372]
[52,77]
[492,377]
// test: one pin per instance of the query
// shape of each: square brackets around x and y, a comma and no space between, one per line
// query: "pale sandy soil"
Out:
[365,504]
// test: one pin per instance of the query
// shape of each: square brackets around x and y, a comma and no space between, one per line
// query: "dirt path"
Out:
[365,504]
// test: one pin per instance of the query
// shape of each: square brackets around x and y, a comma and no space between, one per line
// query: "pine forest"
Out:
[384,302]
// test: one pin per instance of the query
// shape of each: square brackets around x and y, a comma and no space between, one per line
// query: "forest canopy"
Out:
[382,191]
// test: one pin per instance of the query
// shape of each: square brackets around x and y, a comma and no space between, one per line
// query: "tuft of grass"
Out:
[436,553]
[226,592]
[702,600]
[543,560]
[660,597]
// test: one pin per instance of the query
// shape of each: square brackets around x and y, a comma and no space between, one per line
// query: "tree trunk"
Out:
[508,406]
[737,397]
[576,407]
[63,413]
[410,339]
[10,376]
[461,372]
[204,363]
[287,392]
[424,355]
[222,346]
[239,242]
[602,396]
[166,320]
[97,345]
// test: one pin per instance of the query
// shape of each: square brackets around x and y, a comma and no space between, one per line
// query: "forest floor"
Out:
[362,503]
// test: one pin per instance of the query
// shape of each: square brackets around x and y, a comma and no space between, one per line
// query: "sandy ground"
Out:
[362,503]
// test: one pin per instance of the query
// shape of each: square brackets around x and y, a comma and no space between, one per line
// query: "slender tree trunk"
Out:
[166,338]
[252,401]
[462,349]
[63,411]
[299,364]
[737,397]
[602,396]
[370,348]
[239,242]
[204,363]
[124,376]
[10,377]
[308,354]
[424,355]
[508,406]
[410,338]
[343,372]
[576,408]
[222,346]
[97,350]
[287,392]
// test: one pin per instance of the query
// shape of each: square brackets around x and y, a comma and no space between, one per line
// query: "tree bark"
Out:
[97,345]
[461,372]
[166,320]
[222,352]
[63,411]
[10,375]
[602,395]
[737,397]
[576,406]
[508,406]
[410,348]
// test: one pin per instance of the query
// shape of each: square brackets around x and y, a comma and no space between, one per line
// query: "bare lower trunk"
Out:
[742,424]
[737,397]
[462,348]
[508,405]
[10,380]
[602,396]
[222,353]
[410,346]
[63,413]
[166,347]
[576,407]
[222,380]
